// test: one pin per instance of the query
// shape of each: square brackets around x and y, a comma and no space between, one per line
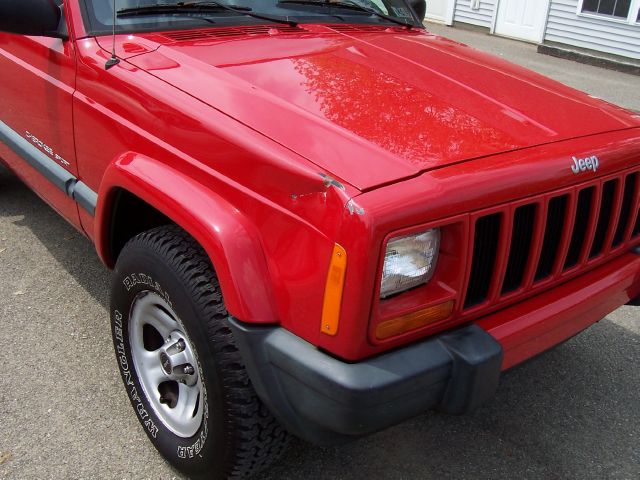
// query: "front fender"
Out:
[228,238]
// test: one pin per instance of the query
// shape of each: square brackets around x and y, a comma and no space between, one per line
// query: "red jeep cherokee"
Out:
[323,220]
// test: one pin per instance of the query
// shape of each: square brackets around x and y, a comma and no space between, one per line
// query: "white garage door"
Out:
[522,19]
[440,11]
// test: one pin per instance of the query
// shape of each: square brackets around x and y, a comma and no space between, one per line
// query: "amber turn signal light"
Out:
[412,321]
[333,291]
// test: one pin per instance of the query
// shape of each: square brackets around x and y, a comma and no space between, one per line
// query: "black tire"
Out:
[238,436]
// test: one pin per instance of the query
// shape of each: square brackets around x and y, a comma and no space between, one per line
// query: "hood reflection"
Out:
[390,112]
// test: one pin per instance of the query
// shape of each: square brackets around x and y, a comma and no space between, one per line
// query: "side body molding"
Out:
[49,169]
[229,240]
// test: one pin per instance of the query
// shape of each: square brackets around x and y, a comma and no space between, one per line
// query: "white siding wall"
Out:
[482,17]
[565,26]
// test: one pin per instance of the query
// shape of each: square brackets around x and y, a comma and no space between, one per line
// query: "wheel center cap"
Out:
[165,361]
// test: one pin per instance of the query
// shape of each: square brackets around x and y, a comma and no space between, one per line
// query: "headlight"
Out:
[409,261]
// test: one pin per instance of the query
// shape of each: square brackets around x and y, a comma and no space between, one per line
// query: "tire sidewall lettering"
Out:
[133,284]
[131,388]
[134,279]
[195,449]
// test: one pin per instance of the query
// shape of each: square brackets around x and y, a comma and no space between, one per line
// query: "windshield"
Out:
[140,16]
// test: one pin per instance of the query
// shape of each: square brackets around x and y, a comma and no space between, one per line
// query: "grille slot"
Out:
[604,218]
[521,238]
[556,215]
[625,211]
[583,212]
[485,249]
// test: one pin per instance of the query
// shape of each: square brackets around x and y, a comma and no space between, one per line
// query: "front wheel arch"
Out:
[229,240]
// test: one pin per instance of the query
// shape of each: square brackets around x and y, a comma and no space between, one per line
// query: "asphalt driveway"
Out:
[571,414]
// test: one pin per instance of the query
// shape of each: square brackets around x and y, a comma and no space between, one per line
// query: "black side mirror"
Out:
[420,7]
[31,17]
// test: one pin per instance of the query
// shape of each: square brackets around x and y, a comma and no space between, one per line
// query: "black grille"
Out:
[544,239]
[523,224]
[583,210]
[485,248]
[556,214]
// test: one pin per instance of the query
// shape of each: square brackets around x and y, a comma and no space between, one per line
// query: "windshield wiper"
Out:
[350,5]
[188,8]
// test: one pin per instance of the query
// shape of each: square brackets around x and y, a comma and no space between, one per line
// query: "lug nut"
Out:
[188,370]
[180,345]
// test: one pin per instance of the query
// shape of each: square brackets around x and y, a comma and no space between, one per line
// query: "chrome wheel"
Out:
[166,364]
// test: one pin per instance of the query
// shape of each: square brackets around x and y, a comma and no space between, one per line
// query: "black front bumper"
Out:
[327,401]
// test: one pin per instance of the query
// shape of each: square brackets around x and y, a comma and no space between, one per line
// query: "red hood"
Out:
[374,106]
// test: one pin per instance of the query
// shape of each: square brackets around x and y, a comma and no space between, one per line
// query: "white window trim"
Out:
[631,18]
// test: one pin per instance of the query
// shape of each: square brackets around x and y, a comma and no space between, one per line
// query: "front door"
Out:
[522,19]
[37,81]
[440,11]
